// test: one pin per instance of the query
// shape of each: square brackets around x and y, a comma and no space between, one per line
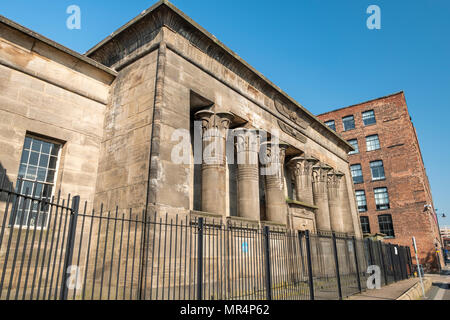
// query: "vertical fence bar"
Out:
[200,259]
[309,262]
[369,245]
[401,262]
[408,252]
[267,263]
[383,263]
[355,253]
[70,246]
[336,263]
[393,262]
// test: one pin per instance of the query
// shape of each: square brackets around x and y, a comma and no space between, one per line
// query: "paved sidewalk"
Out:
[390,292]
[439,291]
[441,285]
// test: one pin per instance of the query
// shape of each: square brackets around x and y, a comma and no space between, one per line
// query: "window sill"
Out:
[376,180]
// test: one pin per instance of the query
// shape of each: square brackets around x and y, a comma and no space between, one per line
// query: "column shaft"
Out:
[301,168]
[320,191]
[276,206]
[347,216]
[215,126]
[335,202]
[247,148]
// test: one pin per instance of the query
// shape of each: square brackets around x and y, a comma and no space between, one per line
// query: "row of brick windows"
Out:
[384,223]
[348,122]
[372,143]
[376,168]
[381,199]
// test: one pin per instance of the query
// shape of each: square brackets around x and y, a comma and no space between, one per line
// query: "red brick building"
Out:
[391,185]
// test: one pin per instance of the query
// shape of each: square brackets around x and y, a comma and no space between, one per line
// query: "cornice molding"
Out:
[141,30]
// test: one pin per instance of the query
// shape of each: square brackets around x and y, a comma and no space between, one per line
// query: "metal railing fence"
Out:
[54,249]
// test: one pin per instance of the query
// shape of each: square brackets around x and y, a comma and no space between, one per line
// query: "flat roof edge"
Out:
[357,104]
[57,46]
[222,46]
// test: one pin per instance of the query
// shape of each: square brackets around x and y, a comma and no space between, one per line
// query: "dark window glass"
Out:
[331,124]
[373,143]
[354,143]
[349,123]
[369,117]
[386,225]
[37,171]
[377,169]
[365,225]
[361,200]
[357,173]
[382,198]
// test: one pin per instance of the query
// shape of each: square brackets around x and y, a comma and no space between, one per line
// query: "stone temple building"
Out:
[105,124]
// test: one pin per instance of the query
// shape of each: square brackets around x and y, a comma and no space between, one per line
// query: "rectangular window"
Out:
[331,124]
[373,143]
[349,123]
[369,118]
[377,169]
[354,143]
[361,200]
[365,225]
[38,174]
[382,198]
[357,173]
[386,225]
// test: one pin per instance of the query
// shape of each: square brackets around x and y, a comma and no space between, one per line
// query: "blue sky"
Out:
[320,52]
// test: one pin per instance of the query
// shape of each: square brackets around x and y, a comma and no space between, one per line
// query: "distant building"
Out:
[445,234]
[391,185]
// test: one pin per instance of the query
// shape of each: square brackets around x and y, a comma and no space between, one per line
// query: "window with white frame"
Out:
[349,123]
[357,174]
[331,124]
[369,118]
[361,200]
[377,169]
[382,198]
[354,143]
[37,176]
[373,142]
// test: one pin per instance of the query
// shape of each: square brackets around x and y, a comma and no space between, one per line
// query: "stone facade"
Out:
[405,176]
[119,109]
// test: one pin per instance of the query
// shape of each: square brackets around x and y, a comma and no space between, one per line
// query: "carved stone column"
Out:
[247,149]
[301,168]
[347,216]
[215,126]
[320,192]
[335,201]
[276,206]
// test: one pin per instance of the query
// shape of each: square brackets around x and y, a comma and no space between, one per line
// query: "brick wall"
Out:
[406,178]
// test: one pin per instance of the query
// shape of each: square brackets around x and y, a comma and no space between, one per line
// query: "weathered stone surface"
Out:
[118,126]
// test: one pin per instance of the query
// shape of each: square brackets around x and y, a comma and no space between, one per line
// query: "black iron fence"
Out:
[55,249]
